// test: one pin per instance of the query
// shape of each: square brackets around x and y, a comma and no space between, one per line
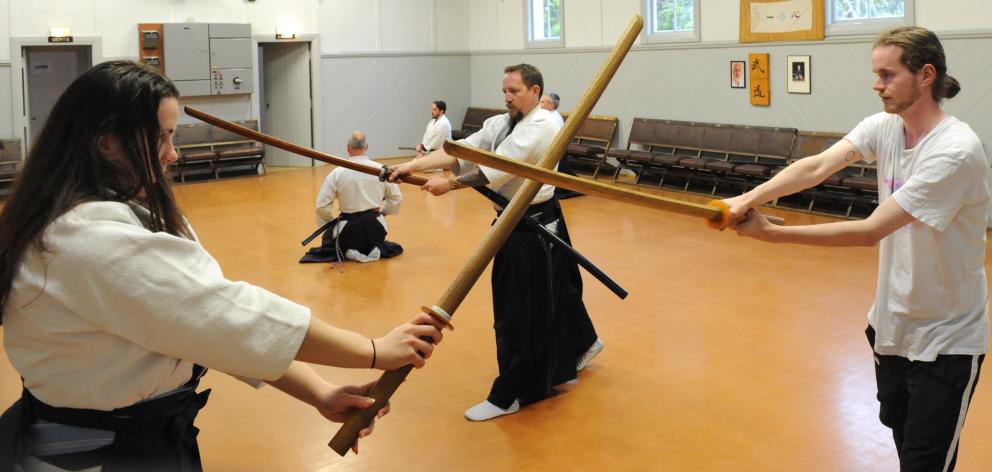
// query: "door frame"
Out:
[317,139]
[18,75]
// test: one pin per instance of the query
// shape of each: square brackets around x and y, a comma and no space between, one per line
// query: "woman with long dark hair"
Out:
[112,310]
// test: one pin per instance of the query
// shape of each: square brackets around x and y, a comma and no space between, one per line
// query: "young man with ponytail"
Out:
[929,326]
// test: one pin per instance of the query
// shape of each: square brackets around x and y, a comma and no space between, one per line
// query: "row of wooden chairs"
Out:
[715,157]
[205,147]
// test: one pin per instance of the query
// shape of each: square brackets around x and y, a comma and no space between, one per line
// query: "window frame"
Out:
[653,37]
[867,25]
[529,41]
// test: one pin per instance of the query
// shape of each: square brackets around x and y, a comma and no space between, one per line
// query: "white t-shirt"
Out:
[528,141]
[558,118]
[117,314]
[356,191]
[438,130]
[932,294]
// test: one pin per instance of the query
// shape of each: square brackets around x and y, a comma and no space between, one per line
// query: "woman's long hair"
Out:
[65,167]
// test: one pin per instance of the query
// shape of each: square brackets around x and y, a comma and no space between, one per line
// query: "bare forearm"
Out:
[435,160]
[328,345]
[794,178]
[840,234]
[301,382]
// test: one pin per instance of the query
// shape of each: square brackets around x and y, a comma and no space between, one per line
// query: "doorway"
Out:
[47,72]
[286,104]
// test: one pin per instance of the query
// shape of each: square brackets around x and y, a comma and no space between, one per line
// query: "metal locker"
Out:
[230,53]
[187,51]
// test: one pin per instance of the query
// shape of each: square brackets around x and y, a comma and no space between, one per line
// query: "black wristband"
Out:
[373,353]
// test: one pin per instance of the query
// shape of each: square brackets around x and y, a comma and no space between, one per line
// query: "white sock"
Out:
[487,411]
[374,254]
[354,255]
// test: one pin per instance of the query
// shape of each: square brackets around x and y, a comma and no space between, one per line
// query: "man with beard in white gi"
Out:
[359,231]
[438,129]
[543,333]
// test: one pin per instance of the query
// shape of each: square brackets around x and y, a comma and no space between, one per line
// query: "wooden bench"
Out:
[707,154]
[234,150]
[474,117]
[10,163]
[592,140]
[205,147]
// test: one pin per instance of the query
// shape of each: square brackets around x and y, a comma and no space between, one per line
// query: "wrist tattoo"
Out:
[474,179]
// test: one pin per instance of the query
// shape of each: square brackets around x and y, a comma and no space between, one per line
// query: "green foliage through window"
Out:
[673,15]
[545,19]
[853,10]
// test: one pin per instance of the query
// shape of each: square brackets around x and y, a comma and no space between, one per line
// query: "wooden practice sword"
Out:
[716,212]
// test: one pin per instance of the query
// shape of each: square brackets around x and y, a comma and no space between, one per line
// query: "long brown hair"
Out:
[65,167]
[920,47]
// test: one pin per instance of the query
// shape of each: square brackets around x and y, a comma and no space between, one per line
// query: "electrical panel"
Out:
[205,58]
[150,44]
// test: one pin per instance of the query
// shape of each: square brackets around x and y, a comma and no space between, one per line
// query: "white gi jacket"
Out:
[529,140]
[357,192]
[117,314]
[438,130]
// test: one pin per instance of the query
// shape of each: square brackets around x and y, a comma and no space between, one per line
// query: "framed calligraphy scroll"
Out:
[760,90]
[781,20]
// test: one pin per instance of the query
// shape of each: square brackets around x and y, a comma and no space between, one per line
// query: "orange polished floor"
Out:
[729,354]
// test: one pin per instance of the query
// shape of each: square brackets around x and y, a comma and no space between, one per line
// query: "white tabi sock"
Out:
[487,411]
[589,355]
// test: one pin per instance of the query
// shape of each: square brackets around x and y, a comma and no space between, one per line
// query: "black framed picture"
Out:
[800,74]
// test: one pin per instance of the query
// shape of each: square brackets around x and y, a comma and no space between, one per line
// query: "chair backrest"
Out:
[665,132]
[475,116]
[641,132]
[690,135]
[716,136]
[192,135]
[10,150]
[809,143]
[600,128]
[222,136]
[777,142]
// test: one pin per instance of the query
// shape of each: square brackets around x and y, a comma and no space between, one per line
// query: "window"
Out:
[672,20]
[867,16]
[544,28]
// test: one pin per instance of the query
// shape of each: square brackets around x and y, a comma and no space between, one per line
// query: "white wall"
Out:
[950,15]
[6,107]
[5,21]
[369,26]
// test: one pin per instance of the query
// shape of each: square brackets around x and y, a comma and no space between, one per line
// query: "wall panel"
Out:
[389,98]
